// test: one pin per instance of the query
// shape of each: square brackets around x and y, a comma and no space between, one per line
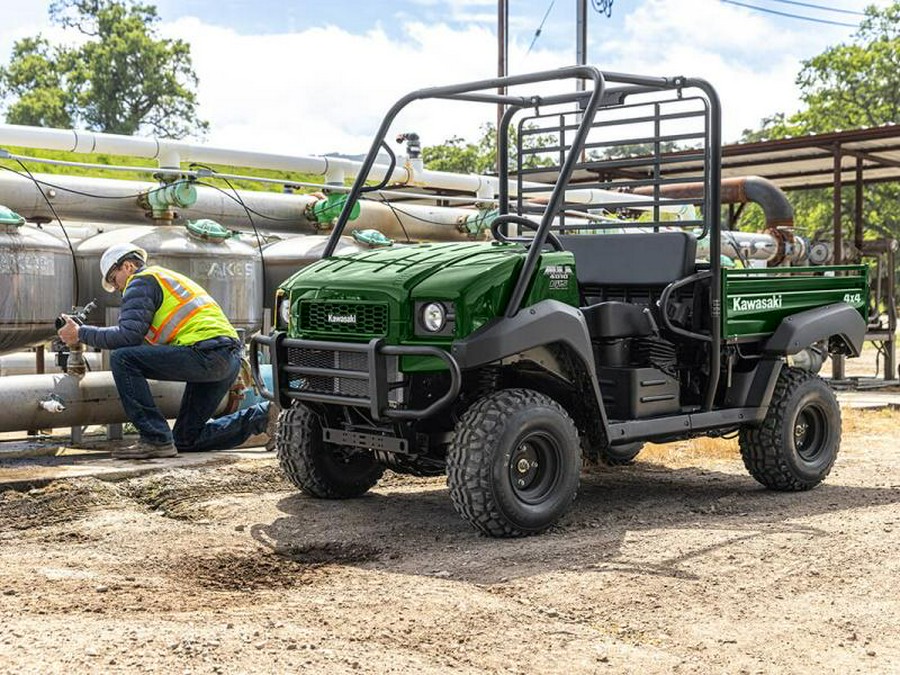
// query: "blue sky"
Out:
[307,77]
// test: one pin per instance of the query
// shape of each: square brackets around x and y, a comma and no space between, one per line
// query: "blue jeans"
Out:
[209,373]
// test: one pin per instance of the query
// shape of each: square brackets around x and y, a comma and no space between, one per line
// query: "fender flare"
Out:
[540,324]
[799,331]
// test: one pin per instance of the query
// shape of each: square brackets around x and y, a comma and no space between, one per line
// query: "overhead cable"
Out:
[537,33]
[822,7]
[790,16]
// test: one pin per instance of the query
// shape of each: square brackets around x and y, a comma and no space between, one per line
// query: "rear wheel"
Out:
[797,444]
[318,468]
[514,463]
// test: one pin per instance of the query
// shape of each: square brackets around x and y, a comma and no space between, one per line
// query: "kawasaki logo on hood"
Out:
[342,318]
[739,304]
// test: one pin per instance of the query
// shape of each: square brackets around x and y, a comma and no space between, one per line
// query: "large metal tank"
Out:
[229,269]
[36,283]
[283,258]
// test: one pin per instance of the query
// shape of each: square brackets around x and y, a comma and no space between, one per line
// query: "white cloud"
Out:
[326,89]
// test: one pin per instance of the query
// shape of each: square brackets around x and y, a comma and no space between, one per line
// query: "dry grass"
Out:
[686,452]
[879,421]
[882,421]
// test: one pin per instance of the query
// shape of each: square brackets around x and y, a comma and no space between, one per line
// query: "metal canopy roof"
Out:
[796,163]
[811,161]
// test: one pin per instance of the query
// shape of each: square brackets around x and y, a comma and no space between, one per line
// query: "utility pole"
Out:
[502,60]
[581,39]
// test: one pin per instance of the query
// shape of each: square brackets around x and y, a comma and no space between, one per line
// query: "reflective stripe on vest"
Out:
[183,300]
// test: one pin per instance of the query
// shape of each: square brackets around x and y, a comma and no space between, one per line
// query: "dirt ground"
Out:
[680,563]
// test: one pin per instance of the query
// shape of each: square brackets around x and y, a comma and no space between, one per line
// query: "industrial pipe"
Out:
[48,401]
[776,208]
[120,202]
[170,154]
[774,203]
[56,400]
[25,363]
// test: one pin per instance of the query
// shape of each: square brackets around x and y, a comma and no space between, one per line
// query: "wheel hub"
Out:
[810,432]
[534,466]
[526,466]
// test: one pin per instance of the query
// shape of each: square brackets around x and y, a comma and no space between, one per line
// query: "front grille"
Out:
[348,387]
[320,358]
[344,318]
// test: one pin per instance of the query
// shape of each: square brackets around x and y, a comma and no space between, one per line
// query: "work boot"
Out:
[145,450]
[272,425]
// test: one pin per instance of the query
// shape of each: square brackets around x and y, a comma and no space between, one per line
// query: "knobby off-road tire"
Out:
[514,463]
[798,441]
[620,455]
[318,468]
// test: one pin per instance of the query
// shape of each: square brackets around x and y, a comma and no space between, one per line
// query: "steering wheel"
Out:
[552,239]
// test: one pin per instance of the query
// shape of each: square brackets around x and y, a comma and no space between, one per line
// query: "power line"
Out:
[822,7]
[537,33]
[790,16]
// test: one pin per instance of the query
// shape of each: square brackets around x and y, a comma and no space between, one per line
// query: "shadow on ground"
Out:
[416,531]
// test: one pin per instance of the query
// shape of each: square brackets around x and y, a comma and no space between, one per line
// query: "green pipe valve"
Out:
[372,238]
[10,218]
[477,223]
[160,201]
[208,230]
[326,211]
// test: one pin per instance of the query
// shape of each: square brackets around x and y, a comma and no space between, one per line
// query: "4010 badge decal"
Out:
[558,275]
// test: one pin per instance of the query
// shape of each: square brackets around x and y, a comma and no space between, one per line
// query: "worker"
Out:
[170,329]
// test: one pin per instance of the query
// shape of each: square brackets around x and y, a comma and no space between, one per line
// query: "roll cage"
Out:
[595,135]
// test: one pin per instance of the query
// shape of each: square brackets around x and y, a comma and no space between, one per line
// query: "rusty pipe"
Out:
[756,189]
[776,208]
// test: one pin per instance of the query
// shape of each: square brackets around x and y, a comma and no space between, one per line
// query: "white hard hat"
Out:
[113,256]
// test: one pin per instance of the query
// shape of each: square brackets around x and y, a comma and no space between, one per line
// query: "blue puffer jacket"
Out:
[141,299]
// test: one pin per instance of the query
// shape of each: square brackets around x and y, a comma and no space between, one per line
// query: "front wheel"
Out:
[797,443]
[514,463]
[318,468]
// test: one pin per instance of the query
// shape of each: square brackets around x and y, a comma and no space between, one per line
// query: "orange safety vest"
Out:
[187,315]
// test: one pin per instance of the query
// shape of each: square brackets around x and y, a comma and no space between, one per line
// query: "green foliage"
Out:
[123,79]
[34,80]
[847,86]
[634,150]
[459,156]
[855,85]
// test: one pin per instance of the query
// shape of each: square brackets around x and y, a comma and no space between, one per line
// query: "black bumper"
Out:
[298,363]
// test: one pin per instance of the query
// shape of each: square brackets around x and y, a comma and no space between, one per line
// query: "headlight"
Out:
[434,317]
[284,311]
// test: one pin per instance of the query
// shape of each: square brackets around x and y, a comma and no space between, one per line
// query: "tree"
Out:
[459,156]
[34,79]
[123,79]
[845,87]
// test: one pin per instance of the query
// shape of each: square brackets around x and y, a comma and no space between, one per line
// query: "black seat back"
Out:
[651,259]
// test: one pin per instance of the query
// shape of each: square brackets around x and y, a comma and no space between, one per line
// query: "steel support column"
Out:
[837,361]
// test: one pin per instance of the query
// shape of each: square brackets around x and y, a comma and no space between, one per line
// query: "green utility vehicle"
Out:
[585,326]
